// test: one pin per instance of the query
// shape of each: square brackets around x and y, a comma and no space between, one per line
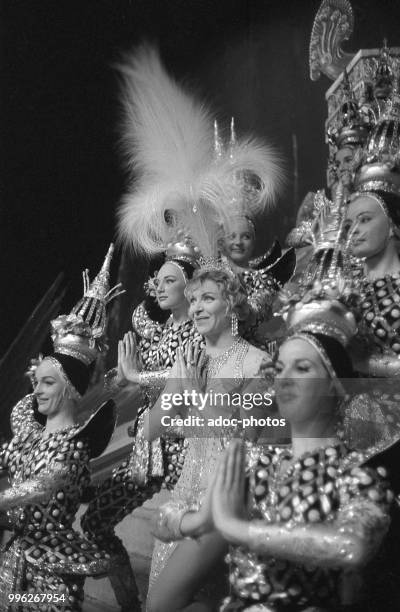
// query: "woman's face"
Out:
[371,227]
[345,164]
[302,382]
[209,309]
[49,388]
[239,241]
[170,285]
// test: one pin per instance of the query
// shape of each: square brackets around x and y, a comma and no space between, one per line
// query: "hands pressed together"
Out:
[224,505]
[128,360]
[191,363]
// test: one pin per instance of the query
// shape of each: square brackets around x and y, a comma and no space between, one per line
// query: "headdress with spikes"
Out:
[384,74]
[362,81]
[352,123]
[254,174]
[316,305]
[81,334]
[380,166]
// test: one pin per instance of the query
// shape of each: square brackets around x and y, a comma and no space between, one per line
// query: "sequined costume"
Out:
[149,466]
[158,344]
[264,278]
[203,452]
[377,308]
[328,486]
[49,474]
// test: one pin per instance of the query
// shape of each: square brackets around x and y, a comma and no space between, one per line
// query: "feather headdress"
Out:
[180,183]
[251,174]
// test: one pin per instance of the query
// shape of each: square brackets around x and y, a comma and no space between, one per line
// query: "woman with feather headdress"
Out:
[184,186]
[179,191]
[171,209]
[256,180]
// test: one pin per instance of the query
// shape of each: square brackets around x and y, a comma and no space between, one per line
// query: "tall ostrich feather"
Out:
[168,143]
[247,161]
[176,181]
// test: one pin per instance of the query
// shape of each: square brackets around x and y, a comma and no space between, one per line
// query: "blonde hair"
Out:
[232,288]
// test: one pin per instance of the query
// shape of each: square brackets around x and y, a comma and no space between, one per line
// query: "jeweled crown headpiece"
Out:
[254,174]
[363,81]
[319,309]
[380,165]
[81,334]
[327,316]
[384,75]
[352,123]
[315,304]
[183,249]
[324,232]
[209,264]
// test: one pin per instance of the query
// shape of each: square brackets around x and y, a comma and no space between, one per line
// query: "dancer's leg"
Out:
[185,573]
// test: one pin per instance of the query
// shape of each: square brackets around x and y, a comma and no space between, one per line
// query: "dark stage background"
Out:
[60,167]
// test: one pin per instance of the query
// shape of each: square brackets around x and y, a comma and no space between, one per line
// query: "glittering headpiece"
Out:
[331,259]
[254,174]
[320,311]
[380,166]
[326,316]
[352,122]
[185,179]
[315,305]
[168,139]
[363,81]
[209,264]
[313,313]
[81,334]
[179,252]
[183,249]
[384,77]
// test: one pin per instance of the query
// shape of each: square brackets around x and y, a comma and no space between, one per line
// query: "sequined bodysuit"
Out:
[330,486]
[263,279]
[149,466]
[45,556]
[377,308]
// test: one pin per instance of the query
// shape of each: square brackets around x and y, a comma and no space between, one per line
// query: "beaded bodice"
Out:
[317,488]
[378,307]
[46,528]
[157,345]
[258,281]
[261,289]
[158,342]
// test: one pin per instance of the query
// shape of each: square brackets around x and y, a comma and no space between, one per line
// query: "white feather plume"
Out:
[249,158]
[168,141]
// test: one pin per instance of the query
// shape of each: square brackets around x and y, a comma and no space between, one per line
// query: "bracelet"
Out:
[153,379]
[169,519]
[110,379]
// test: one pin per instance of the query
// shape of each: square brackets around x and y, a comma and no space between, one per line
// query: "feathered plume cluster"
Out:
[250,173]
[178,182]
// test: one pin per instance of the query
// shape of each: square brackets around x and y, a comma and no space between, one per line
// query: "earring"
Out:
[234,324]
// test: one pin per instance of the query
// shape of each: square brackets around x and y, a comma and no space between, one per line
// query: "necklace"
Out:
[215,364]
